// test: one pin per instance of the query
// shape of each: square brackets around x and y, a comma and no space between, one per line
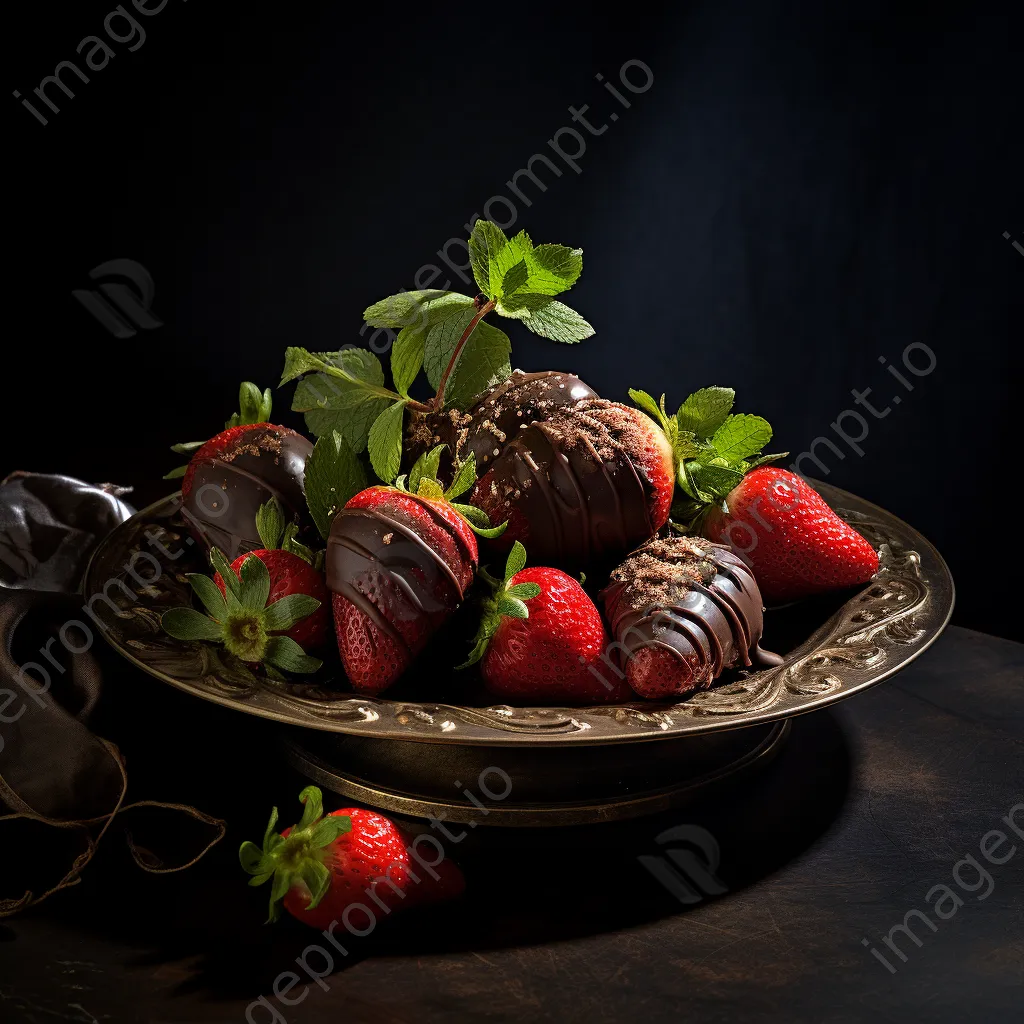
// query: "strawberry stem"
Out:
[483,310]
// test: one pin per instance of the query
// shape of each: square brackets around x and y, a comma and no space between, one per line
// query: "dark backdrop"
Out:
[805,189]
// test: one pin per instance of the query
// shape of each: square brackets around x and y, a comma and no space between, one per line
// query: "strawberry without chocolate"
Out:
[728,492]
[244,466]
[541,639]
[268,607]
[330,869]
[796,544]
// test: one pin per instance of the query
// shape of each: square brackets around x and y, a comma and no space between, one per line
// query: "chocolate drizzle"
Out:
[693,598]
[496,416]
[570,488]
[227,489]
[379,561]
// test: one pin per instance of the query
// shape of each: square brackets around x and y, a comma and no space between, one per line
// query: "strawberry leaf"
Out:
[270,523]
[254,405]
[516,561]
[524,591]
[255,590]
[284,653]
[287,611]
[427,465]
[741,436]
[187,447]
[705,410]
[209,593]
[232,584]
[176,474]
[328,829]
[464,478]
[512,607]
[188,624]
[312,800]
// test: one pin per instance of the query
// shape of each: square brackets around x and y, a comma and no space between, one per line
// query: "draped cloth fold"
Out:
[54,769]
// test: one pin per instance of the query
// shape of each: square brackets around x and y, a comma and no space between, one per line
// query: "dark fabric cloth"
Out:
[49,527]
[54,768]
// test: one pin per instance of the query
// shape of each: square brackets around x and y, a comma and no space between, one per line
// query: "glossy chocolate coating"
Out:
[378,560]
[569,487]
[694,598]
[496,416]
[228,489]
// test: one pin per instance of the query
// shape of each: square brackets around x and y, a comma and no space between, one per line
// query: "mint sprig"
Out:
[241,619]
[506,600]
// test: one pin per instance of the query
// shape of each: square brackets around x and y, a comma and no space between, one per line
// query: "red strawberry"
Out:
[323,866]
[682,610]
[398,565]
[267,607]
[795,543]
[230,476]
[577,478]
[290,575]
[542,639]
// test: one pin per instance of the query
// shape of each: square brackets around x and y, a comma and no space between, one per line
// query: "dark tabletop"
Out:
[869,807]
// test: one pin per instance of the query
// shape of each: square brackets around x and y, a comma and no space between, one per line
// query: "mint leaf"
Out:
[464,478]
[553,268]
[486,243]
[406,309]
[333,475]
[427,465]
[188,624]
[741,436]
[345,393]
[385,442]
[515,278]
[553,319]
[484,357]
[484,361]
[407,358]
[705,410]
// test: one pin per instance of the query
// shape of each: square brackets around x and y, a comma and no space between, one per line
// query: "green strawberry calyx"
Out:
[300,858]
[506,600]
[422,480]
[277,533]
[712,447]
[254,407]
[241,619]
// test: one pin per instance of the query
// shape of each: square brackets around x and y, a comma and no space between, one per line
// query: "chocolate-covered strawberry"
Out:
[683,610]
[398,564]
[582,484]
[240,469]
[580,480]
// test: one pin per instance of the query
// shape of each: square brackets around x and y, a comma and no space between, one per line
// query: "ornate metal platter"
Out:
[874,634]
